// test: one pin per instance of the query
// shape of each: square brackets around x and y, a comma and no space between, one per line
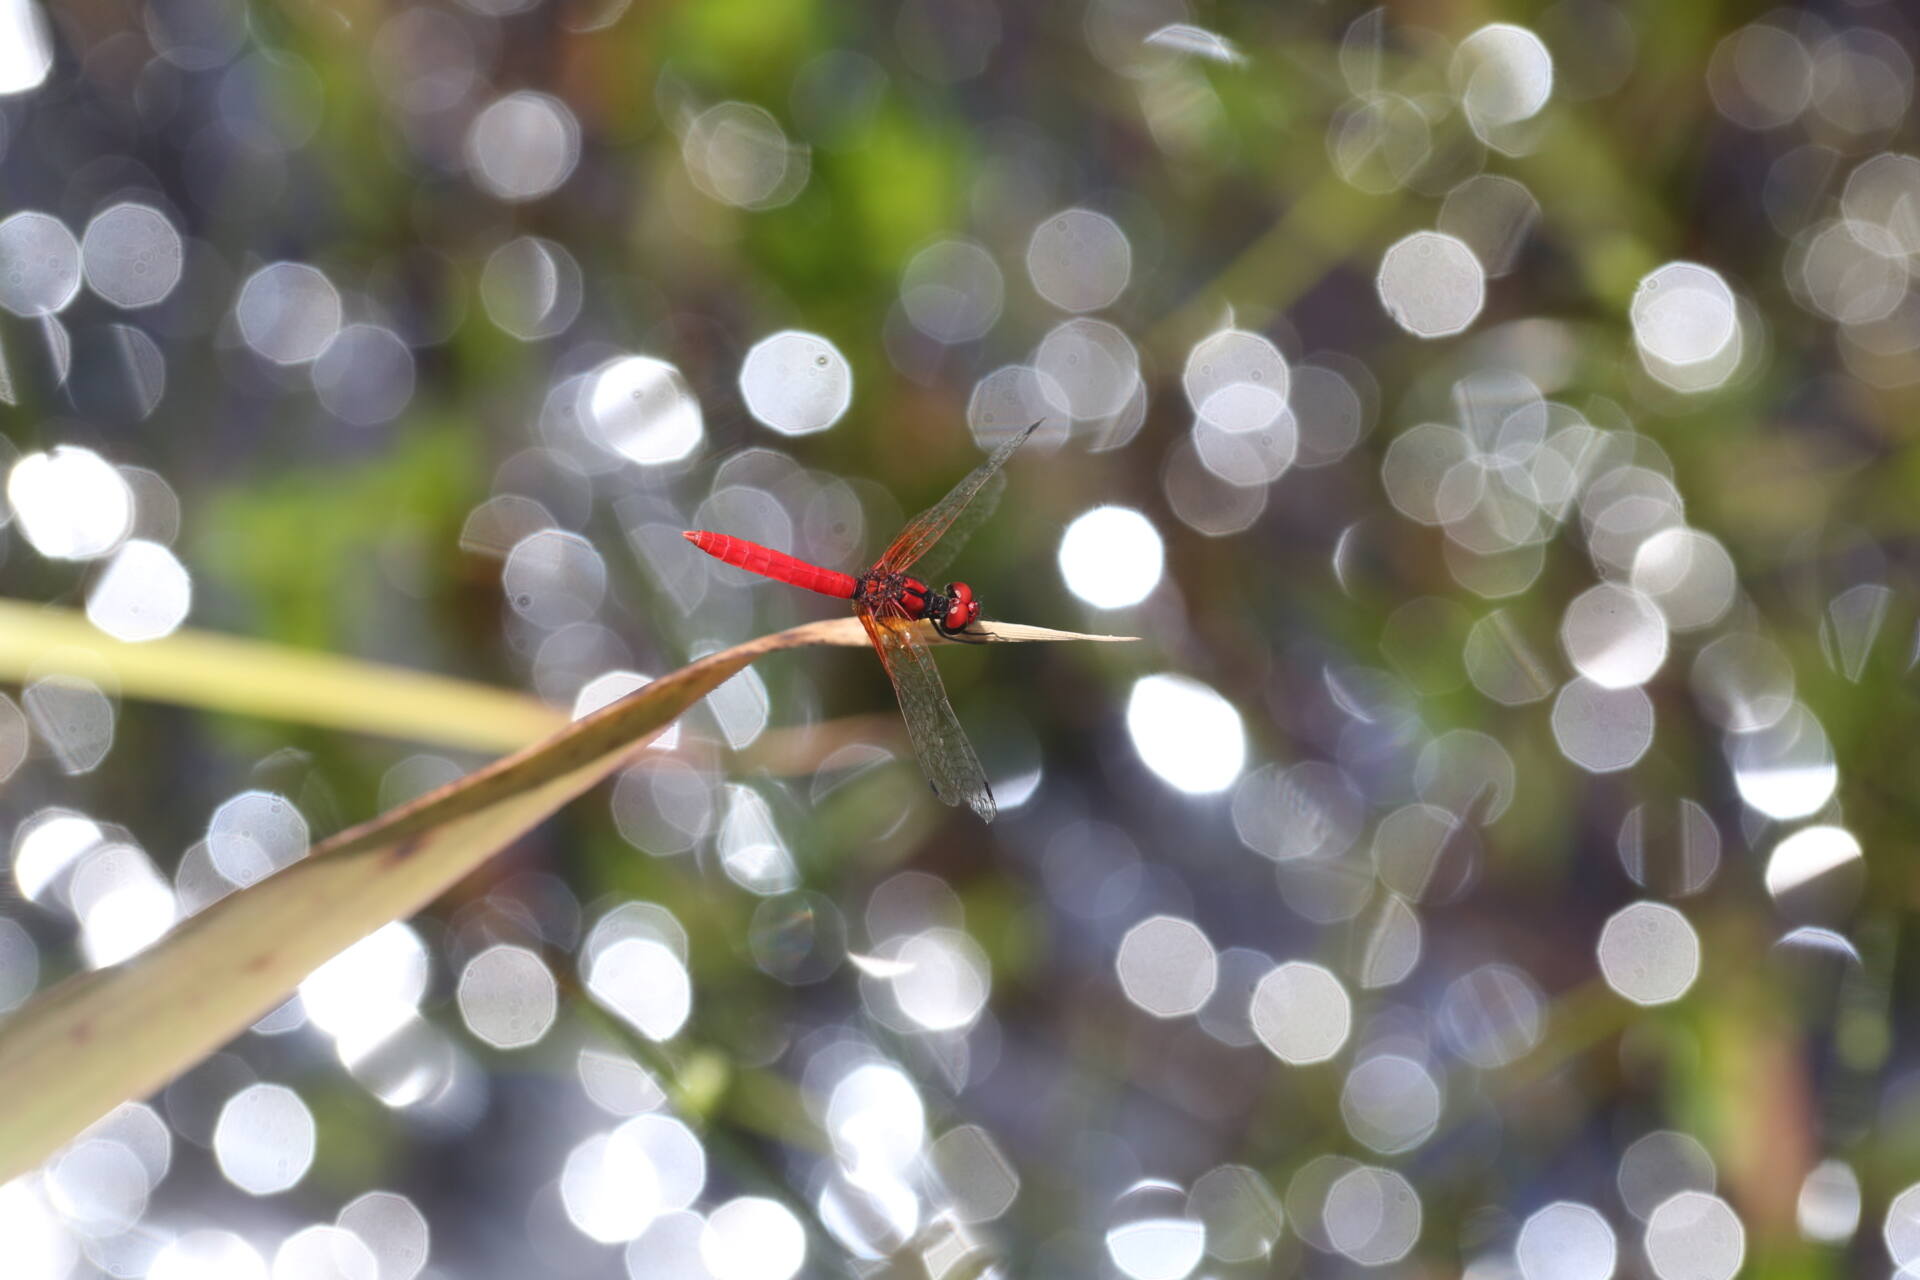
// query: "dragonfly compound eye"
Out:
[962,608]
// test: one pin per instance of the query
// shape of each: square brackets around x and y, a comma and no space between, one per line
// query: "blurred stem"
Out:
[774,1107]
[704,1083]
[1622,232]
[1577,1020]
[1327,223]
[254,678]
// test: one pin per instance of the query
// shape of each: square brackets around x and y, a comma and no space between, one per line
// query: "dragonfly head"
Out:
[961,610]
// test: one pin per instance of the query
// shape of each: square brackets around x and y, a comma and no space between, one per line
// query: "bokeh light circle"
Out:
[1431,284]
[1186,733]
[1111,557]
[1649,953]
[797,383]
[1301,1013]
[1695,1236]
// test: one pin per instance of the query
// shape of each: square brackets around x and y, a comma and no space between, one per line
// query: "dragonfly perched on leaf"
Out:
[890,603]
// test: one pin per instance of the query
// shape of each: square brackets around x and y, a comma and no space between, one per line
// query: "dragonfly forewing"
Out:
[933,563]
[932,524]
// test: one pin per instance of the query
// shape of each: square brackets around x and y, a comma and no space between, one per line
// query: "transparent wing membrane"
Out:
[933,564]
[927,528]
[946,757]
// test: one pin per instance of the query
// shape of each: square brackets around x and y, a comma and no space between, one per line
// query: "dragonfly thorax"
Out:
[951,611]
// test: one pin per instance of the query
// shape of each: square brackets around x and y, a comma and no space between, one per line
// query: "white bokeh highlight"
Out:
[1112,557]
[1186,733]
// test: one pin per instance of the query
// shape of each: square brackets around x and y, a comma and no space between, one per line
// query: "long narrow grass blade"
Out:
[212,672]
[1021,633]
[82,1047]
[254,678]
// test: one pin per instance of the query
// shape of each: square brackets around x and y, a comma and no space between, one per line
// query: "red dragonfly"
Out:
[888,601]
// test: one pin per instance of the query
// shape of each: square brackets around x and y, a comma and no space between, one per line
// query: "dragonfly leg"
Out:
[961,635]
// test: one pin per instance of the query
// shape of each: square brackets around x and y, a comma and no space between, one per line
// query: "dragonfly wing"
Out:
[932,565]
[946,757]
[930,525]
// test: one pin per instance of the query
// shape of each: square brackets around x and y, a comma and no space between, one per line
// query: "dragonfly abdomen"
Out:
[777,565]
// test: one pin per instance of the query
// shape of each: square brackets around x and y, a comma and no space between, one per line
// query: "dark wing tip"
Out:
[981,801]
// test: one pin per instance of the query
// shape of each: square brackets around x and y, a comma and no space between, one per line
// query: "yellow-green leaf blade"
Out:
[81,1048]
[254,678]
